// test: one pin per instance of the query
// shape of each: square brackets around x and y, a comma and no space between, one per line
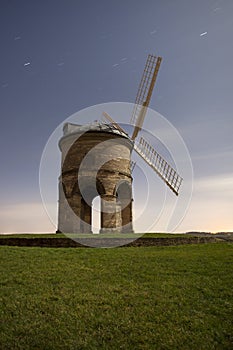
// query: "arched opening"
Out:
[95,211]
[90,204]
[96,215]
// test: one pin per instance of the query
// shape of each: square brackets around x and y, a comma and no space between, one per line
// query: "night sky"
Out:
[58,57]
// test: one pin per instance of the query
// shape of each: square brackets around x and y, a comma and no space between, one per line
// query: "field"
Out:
[177,297]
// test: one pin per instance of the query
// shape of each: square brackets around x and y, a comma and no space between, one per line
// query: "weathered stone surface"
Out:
[95,163]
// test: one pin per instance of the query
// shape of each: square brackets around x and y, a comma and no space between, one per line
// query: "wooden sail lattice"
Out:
[132,165]
[144,92]
[112,123]
[166,172]
[159,165]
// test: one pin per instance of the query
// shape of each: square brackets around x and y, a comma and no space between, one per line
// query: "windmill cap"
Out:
[71,128]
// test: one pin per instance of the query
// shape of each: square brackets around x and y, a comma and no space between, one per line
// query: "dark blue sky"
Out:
[58,57]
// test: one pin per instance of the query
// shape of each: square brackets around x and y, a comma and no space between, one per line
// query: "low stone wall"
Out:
[66,242]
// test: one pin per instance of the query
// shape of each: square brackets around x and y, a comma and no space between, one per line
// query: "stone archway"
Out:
[83,195]
[94,159]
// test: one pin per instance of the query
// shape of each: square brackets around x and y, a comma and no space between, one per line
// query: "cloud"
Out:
[24,217]
[211,206]
[216,184]
[224,153]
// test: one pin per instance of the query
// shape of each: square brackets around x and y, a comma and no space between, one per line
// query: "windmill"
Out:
[143,148]
[100,153]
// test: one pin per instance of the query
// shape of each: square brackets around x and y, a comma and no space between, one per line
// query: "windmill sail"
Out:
[144,93]
[113,123]
[132,165]
[159,165]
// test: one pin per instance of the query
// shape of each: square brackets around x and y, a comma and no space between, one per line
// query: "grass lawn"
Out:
[177,297]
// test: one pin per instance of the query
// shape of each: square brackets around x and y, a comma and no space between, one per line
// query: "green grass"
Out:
[122,298]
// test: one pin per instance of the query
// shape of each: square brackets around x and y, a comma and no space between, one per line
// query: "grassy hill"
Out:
[129,298]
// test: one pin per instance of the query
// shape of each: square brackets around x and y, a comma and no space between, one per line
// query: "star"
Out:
[204,33]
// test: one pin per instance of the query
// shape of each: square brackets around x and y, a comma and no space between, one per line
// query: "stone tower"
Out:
[96,161]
